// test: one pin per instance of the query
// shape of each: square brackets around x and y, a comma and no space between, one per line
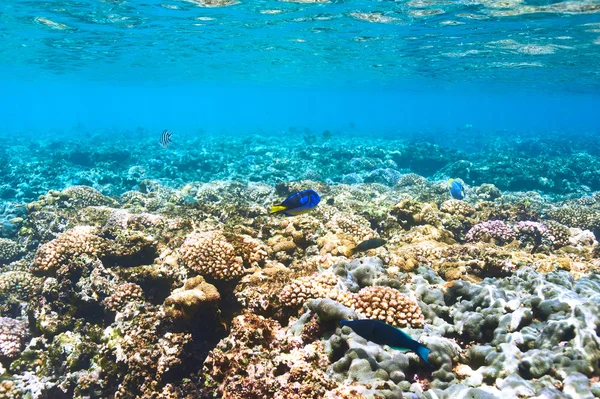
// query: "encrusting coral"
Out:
[195,295]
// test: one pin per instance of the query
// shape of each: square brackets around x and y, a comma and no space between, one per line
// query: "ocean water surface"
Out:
[131,268]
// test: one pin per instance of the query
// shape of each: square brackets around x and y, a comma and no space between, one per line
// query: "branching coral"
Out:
[580,216]
[9,250]
[12,336]
[225,258]
[383,303]
[352,225]
[388,305]
[491,231]
[412,213]
[124,294]
[533,233]
[78,241]
[456,207]
[319,285]
[86,196]
[258,360]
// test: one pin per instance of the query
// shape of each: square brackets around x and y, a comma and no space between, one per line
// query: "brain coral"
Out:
[78,241]
[214,254]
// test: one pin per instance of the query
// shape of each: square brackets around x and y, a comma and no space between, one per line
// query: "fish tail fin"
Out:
[278,208]
[423,353]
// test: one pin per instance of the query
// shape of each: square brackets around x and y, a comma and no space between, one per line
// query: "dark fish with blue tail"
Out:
[383,334]
[297,204]
[369,244]
[165,138]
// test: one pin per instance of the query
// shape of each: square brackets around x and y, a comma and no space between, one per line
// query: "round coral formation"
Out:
[310,287]
[126,293]
[213,254]
[78,241]
[389,305]
[377,302]
[491,231]
[195,295]
[9,250]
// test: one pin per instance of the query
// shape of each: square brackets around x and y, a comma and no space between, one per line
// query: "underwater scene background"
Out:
[438,159]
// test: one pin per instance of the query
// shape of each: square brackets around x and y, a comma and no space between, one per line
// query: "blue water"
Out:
[351,98]
[462,74]
[394,65]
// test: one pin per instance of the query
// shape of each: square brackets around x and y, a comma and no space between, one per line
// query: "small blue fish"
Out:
[457,190]
[297,204]
[384,334]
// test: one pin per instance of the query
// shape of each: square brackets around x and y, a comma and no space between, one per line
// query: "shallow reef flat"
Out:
[198,292]
[550,163]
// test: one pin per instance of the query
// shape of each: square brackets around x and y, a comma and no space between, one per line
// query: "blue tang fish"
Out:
[297,204]
[384,334]
[457,190]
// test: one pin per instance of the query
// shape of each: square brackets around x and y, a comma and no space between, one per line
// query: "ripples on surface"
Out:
[534,42]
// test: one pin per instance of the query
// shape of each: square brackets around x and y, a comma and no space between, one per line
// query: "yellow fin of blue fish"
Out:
[278,208]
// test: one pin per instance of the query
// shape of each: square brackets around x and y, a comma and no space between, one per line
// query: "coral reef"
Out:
[495,231]
[67,247]
[195,295]
[215,255]
[12,337]
[39,164]
[199,292]
[9,250]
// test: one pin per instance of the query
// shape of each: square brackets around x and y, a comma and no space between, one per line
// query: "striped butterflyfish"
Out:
[165,138]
